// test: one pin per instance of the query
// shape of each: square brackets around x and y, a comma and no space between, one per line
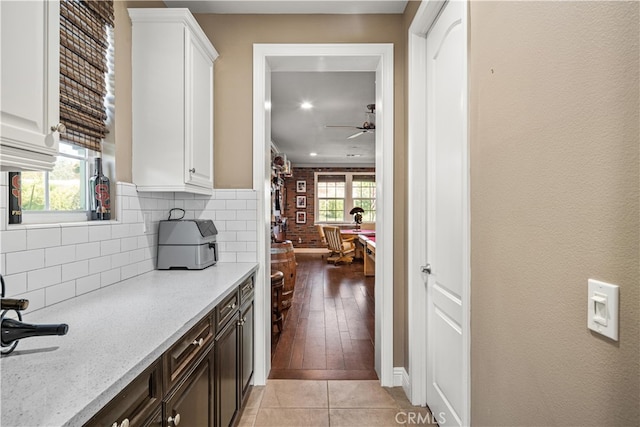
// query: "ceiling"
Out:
[291,6]
[338,98]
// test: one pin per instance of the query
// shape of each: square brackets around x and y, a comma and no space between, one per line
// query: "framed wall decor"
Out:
[301,201]
[301,186]
[301,217]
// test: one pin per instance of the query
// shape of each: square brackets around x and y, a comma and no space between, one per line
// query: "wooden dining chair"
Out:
[341,251]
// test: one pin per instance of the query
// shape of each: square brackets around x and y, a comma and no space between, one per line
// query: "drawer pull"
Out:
[232,305]
[125,423]
[198,342]
[175,420]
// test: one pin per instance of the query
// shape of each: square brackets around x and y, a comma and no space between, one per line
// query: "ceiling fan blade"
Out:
[356,135]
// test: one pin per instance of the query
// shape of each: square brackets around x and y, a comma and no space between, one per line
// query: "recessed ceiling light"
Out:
[313,154]
[306,105]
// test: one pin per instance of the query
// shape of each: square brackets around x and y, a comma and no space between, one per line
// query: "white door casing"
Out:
[439,359]
[331,57]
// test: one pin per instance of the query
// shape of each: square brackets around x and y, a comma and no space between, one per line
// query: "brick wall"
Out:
[307,232]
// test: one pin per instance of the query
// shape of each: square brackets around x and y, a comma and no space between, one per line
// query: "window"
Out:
[86,103]
[338,193]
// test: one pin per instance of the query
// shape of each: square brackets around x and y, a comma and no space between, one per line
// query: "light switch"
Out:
[146,227]
[603,308]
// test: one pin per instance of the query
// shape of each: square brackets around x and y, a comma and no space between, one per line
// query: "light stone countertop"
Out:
[114,334]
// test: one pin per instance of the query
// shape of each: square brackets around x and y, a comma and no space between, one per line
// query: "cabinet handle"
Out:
[175,420]
[125,423]
[198,342]
[192,170]
[232,305]
[61,128]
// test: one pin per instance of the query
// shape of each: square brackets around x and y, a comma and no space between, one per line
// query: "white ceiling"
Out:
[291,6]
[338,98]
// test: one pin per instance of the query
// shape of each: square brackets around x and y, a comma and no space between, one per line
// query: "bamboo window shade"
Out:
[83,64]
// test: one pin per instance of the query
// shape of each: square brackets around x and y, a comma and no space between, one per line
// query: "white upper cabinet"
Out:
[172,102]
[29,84]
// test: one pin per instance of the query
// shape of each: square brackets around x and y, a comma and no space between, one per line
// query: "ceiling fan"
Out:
[369,126]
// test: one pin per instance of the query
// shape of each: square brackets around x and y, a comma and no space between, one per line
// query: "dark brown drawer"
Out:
[182,355]
[136,404]
[225,310]
[246,290]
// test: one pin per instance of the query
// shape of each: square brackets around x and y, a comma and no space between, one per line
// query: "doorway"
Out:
[326,57]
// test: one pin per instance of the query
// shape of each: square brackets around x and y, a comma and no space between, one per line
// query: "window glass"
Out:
[337,194]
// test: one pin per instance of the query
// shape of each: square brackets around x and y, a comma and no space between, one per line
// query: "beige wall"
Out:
[233,36]
[402,315]
[123,85]
[554,201]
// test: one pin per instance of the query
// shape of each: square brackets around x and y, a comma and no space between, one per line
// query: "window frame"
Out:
[48,216]
[348,199]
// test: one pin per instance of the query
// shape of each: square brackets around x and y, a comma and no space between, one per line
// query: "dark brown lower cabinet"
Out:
[226,373]
[246,348]
[191,402]
[196,383]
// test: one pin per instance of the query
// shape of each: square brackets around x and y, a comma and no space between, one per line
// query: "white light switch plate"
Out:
[146,227]
[602,308]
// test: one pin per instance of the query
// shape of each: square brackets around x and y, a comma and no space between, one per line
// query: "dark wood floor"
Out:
[328,333]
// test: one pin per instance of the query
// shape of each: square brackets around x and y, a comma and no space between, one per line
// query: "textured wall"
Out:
[554,201]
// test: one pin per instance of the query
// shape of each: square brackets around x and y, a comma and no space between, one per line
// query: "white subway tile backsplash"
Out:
[226,215]
[128,271]
[87,284]
[73,235]
[61,292]
[59,255]
[50,263]
[119,231]
[98,265]
[74,270]
[247,215]
[109,277]
[128,244]
[108,247]
[13,241]
[87,250]
[43,237]
[236,204]
[120,259]
[43,277]
[246,236]
[216,205]
[18,262]
[99,232]
[247,257]
[15,284]
[236,225]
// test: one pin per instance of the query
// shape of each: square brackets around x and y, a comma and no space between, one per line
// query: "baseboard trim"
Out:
[401,379]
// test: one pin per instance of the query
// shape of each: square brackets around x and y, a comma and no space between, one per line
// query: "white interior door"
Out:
[447,217]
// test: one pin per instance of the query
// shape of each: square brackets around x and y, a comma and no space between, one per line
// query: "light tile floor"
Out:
[299,403]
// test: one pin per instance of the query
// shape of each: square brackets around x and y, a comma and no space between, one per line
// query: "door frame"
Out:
[417,216]
[299,57]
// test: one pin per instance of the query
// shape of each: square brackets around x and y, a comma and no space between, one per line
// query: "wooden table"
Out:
[355,234]
[369,244]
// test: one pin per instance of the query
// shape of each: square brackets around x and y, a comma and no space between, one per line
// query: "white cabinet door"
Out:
[199,113]
[29,89]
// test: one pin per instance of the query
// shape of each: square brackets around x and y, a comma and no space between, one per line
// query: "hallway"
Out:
[328,333]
